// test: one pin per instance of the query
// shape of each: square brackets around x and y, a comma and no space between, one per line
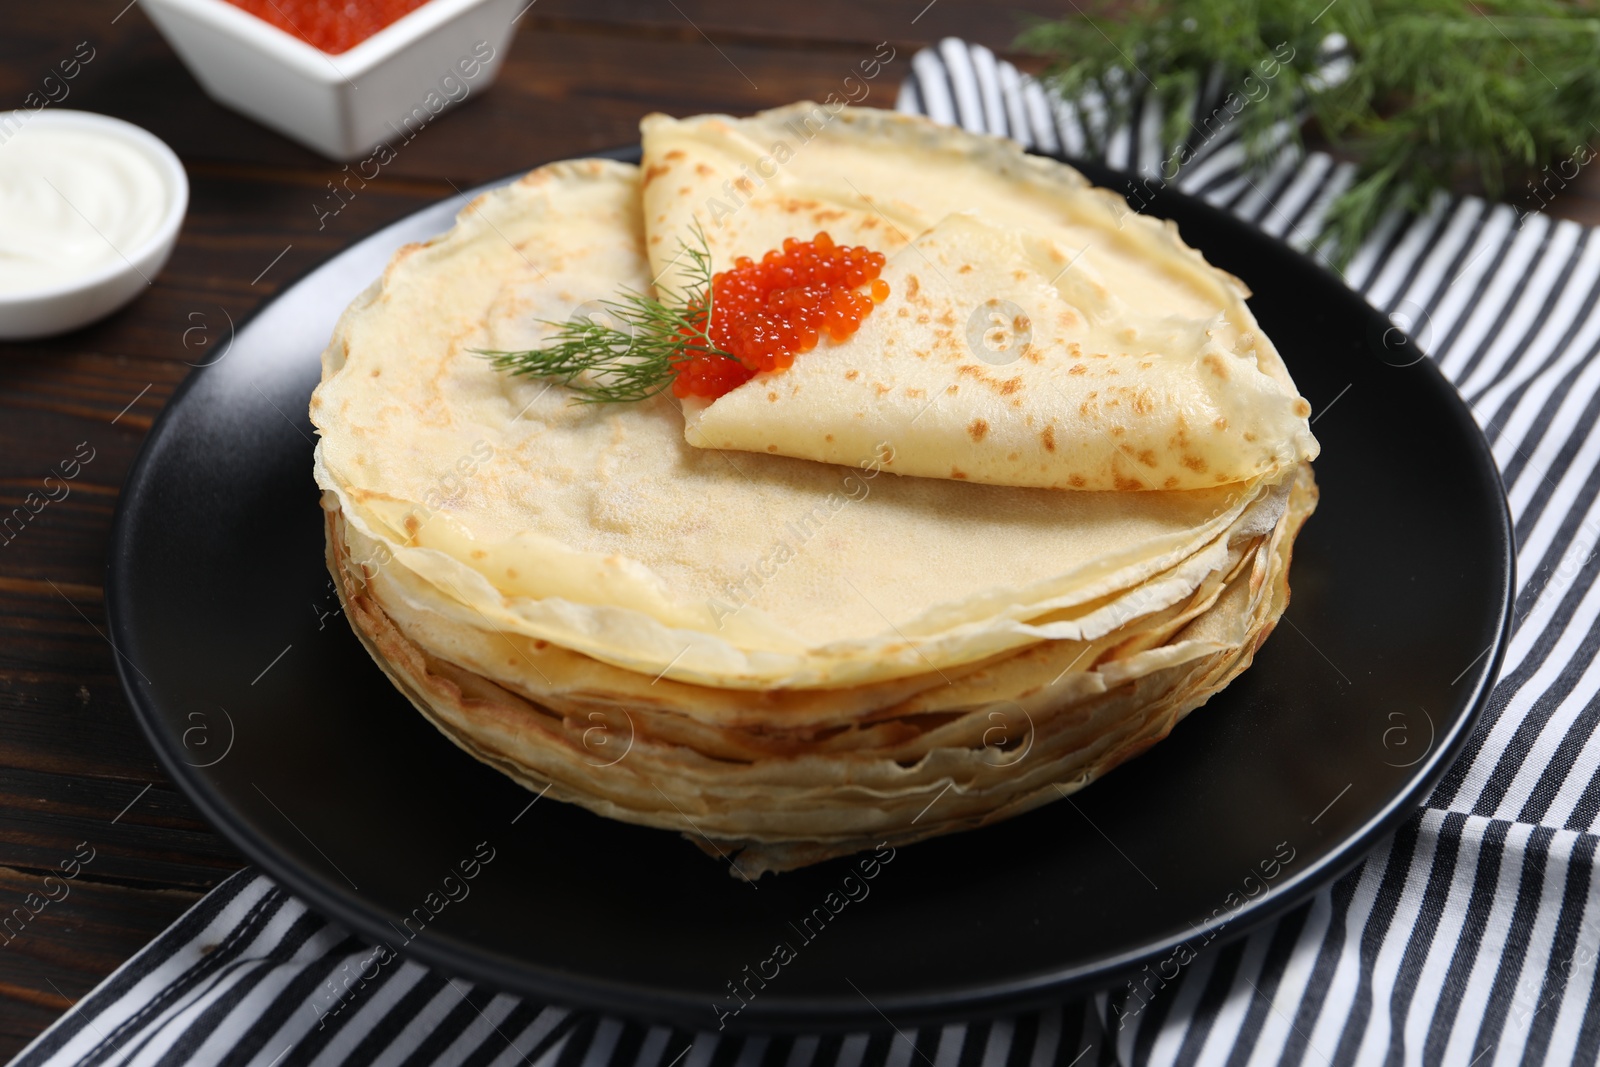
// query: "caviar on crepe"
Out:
[765,313]
[723,330]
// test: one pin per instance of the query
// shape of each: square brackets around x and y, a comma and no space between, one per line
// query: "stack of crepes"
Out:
[949,569]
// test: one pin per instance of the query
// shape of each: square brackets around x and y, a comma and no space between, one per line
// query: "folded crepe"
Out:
[784,660]
[1038,333]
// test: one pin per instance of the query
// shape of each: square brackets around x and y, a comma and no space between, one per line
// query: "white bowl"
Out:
[79,301]
[343,105]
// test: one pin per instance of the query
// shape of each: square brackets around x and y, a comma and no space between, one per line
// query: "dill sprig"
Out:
[1431,94]
[636,356]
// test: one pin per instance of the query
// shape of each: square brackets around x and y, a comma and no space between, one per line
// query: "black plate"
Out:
[265,709]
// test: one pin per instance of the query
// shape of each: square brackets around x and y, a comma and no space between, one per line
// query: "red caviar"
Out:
[332,26]
[764,313]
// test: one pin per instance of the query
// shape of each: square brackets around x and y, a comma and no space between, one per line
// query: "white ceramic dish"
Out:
[342,105]
[79,301]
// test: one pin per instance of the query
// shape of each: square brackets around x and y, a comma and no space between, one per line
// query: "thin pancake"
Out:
[1037,332]
[543,580]
[811,802]
[599,529]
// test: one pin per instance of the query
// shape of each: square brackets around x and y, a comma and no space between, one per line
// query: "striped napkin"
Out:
[1470,937]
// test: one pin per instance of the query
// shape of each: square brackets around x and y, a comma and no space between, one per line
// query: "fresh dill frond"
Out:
[635,356]
[1427,95]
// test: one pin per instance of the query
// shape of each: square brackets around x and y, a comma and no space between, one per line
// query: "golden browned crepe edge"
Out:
[751,859]
[445,693]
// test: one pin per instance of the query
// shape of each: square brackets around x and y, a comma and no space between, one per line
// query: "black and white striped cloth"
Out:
[1469,938]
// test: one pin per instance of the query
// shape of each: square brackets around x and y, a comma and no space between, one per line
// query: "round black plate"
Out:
[265,709]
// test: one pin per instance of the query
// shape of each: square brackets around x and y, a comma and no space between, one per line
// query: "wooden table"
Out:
[73,764]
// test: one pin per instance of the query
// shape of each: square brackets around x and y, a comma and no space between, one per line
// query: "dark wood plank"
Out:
[153,838]
[62,710]
[65,947]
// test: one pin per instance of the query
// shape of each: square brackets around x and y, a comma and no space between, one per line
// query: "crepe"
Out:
[1037,332]
[599,529]
[782,659]
[1003,740]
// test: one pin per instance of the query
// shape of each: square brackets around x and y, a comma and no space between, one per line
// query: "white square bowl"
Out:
[341,105]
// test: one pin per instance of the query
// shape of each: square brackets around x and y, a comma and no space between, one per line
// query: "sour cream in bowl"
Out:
[90,207]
